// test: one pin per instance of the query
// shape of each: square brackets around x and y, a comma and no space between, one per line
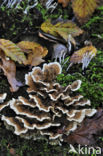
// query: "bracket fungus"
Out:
[51,110]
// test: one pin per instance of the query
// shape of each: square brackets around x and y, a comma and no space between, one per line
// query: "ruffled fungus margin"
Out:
[51,111]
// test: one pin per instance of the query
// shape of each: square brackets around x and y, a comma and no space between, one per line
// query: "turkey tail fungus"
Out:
[51,111]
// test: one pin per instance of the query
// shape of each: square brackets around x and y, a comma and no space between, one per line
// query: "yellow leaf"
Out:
[35,52]
[12,50]
[47,27]
[83,9]
[62,28]
[84,56]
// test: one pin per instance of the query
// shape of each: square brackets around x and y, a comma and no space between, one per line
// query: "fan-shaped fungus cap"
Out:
[51,111]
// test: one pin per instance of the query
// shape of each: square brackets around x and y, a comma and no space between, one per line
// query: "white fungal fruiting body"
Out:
[16,3]
[86,59]
[2,97]
[30,6]
[3,104]
[17,131]
[49,108]
[51,5]
[59,52]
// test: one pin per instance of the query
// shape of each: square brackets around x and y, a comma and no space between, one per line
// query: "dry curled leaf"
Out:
[9,68]
[64,2]
[83,55]
[12,50]
[61,29]
[83,9]
[84,134]
[35,52]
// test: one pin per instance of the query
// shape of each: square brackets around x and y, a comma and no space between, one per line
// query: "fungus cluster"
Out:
[51,4]
[16,3]
[50,111]
[59,52]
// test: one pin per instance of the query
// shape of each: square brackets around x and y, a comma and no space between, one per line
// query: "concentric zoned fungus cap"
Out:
[51,110]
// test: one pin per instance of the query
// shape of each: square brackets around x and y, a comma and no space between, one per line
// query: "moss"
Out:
[94,27]
[3,84]
[28,147]
[14,23]
[98,16]
[92,81]
[58,12]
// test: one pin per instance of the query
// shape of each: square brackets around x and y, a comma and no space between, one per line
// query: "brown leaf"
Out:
[9,68]
[35,52]
[64,2]
[34,59]
[83,9]
[84,134]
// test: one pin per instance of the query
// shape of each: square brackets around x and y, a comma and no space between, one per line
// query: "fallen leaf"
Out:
[34,59]
[64,2]
[12,50]
[83,55]
[84,134]
[9,68]
[83,9]
[28,47]
[61,29]
[34,51]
